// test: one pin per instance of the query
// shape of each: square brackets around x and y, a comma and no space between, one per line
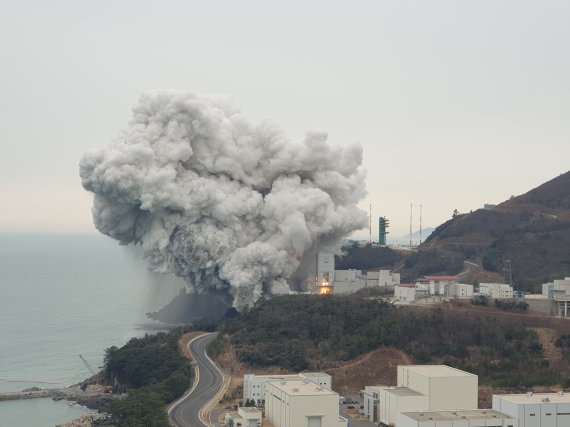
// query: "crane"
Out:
[87,364]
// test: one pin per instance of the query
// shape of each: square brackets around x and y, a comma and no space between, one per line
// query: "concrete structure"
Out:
[496,290]
[325,273]
[459,418]
[302,404]
[386,279]
[535,410]
[561,295]
[393,400]
[347,281]
[406,292]
[460,290]
[437,285]
[254,385]
[445,387]
[421,388]
[548,290]
[244,417]
[371,395]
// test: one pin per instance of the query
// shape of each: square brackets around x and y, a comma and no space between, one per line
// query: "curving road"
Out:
[187,412]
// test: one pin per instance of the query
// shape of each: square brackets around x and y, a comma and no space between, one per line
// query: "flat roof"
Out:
[535,397]
[302,388]
[276,377]
[402,391]
[314,374]
[471,414]
[437,371]
[250,409]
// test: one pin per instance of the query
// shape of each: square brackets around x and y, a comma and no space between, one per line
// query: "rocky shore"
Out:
[92,396]
[86,420]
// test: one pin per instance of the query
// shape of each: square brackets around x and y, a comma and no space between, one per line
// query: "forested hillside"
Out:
[300,332]
[531,230]
[153,372]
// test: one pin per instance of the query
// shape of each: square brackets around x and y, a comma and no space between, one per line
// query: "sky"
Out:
[455,103]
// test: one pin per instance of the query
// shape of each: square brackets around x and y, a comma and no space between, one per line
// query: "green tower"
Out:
[383,224]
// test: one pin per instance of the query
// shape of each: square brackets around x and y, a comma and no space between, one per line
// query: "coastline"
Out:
[95,397]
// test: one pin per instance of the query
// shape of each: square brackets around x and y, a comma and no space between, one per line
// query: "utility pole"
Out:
[411,210]
[370,217]
[420,224]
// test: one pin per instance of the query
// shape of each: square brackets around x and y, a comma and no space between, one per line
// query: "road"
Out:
[469,267]
[187,412]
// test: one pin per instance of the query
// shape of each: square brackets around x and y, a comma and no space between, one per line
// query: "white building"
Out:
[349,281]
[371,396]
[446,387]
[245,417]
[496,290]
[393,400]
[561,294]
[460,290]
[436,285]
[548,290]
[254,385]
[535,409]
[459,418]
[325,273]
[302,404]
[386,279]
[405,292]
[422,388]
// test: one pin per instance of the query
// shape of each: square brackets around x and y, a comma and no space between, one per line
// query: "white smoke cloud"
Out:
[224,203]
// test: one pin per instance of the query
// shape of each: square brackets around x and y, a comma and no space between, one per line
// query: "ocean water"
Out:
[62,295]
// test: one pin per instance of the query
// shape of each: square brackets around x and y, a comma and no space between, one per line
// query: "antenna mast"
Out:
[420,224]
[370,217]
[411,225]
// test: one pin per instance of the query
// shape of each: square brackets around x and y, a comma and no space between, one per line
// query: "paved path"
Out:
[190,410]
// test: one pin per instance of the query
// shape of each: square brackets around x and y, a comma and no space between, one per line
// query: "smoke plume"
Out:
[229,205]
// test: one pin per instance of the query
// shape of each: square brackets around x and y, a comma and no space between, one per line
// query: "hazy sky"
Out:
[456,103]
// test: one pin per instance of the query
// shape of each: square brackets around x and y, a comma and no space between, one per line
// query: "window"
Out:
[315,422]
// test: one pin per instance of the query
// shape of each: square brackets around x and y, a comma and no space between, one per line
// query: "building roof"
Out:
[302,388]
[314,374]
[437,371]
[522,399]
[472,414]
[441,277]
[406,285]
[402,391]
[275,377]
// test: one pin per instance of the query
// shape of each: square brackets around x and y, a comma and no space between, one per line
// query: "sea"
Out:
[61,296]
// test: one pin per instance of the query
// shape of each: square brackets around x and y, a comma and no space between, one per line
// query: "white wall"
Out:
[287,410]
[325,267]
[404,293]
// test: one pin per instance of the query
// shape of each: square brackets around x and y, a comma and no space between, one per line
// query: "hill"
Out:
[333,333]
[531,230]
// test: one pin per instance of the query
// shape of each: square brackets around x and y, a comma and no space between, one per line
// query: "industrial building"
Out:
[301,403]
[325,273]
[459,418]
[496,290]
[408,292]
[421,388]
[244,417]
[254,385]
[535,409]
[436,285]
[331,281]
[561,295]
[460,290]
